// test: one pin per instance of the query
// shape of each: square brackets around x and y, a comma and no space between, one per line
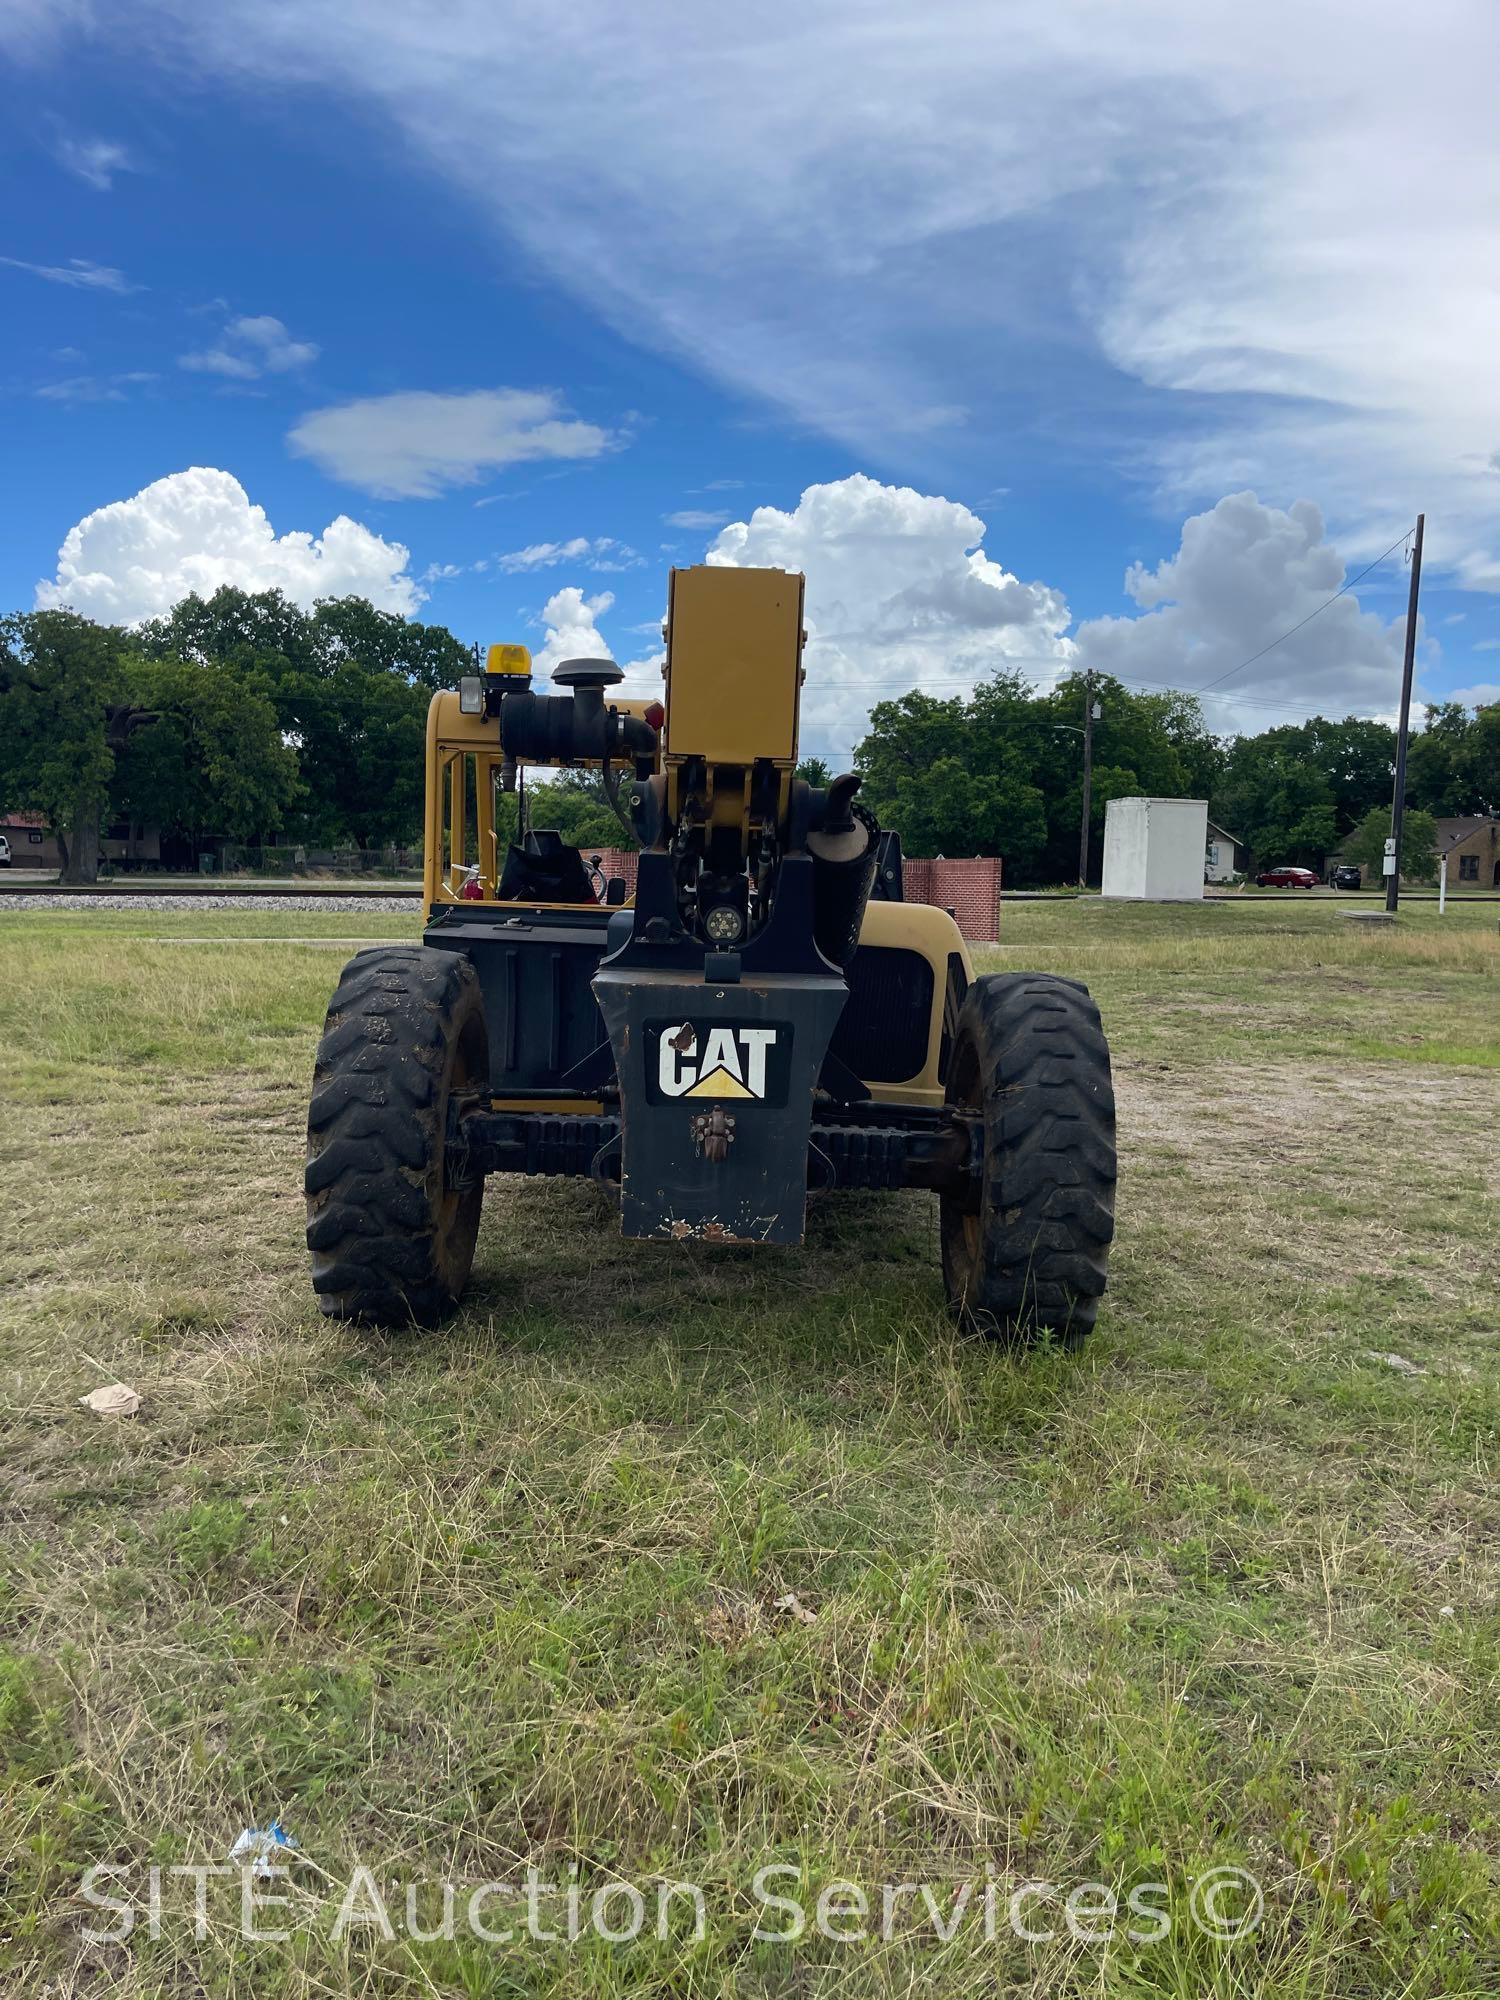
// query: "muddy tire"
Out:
[391,1241]
[1025,1255]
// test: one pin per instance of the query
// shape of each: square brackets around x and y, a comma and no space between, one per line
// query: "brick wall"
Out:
[614,861]
[969,888]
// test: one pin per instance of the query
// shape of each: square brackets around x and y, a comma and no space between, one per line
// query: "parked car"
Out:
[4,851]
[1344,875]
[1286,878]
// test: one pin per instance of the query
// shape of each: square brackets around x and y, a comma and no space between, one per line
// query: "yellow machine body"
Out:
[733,694]
[734,665]
[464,768]
[733,680]
[760,1018]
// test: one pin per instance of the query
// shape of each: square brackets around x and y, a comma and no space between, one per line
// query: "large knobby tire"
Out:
[1025,1255]
[391,1240]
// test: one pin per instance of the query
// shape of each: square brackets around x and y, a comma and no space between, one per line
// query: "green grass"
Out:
[1222,1590]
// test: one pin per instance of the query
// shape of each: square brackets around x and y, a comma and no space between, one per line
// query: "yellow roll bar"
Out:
[464,750]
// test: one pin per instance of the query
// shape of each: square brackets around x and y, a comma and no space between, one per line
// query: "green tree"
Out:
[1443,772]
[814,770]
[1002,773]
[383,642]
[1359,759]
[213,760]
[1282,807]
[949,782]
[573,805]
[1366,844]
[1485,792]
[66,714]
[350,686]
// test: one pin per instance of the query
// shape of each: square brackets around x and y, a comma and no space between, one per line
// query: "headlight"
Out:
[724,924]
[471,695]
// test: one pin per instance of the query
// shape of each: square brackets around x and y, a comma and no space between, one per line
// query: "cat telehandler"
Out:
[763,1018]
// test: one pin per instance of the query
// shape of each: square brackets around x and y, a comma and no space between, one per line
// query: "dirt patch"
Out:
[1252,1104]
[1316,1167]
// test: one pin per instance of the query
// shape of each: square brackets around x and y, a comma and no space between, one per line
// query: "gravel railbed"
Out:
[399,905]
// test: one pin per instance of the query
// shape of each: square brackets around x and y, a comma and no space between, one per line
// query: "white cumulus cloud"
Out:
[572,631]
[1243,575]
[198,529]
[250,347]
[417,443]
[900,594]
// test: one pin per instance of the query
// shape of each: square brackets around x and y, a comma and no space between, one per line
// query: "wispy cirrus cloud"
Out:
[1161,233]
[695,517]
[95,161]
[95,388]
[78,272]
[600,553]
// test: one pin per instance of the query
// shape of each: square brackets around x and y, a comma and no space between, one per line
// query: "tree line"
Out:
[1001,772]
[239,717]
[243,717]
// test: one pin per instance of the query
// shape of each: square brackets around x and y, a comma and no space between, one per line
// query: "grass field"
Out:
[661,1564]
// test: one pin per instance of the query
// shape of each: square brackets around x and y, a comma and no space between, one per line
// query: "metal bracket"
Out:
[713,1134]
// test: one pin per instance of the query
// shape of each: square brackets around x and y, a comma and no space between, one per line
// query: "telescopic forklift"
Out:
[764,1017]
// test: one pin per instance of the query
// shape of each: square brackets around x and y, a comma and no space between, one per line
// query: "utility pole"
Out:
[1398,801]
[1089,706]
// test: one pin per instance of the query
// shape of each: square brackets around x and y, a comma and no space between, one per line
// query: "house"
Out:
[129,844]
[1223,857]
[1471,848]
[31,844]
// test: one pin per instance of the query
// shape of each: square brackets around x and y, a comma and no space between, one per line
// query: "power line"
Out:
[1308,619]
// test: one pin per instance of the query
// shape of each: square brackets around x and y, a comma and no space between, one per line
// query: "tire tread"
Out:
[1048,1105]
[375,1134]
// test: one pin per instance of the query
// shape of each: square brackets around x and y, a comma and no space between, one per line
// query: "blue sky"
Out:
[500,285]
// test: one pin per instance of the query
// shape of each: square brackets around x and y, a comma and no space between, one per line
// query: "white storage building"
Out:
[1154,849]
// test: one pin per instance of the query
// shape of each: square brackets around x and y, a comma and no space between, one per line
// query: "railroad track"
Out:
[148,885]
[155,886]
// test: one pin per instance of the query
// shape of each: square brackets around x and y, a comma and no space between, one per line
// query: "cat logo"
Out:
[732,1063]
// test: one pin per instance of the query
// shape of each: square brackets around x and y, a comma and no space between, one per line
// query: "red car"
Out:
[1286,878]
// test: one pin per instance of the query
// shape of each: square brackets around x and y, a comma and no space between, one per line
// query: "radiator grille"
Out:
[882,1032]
